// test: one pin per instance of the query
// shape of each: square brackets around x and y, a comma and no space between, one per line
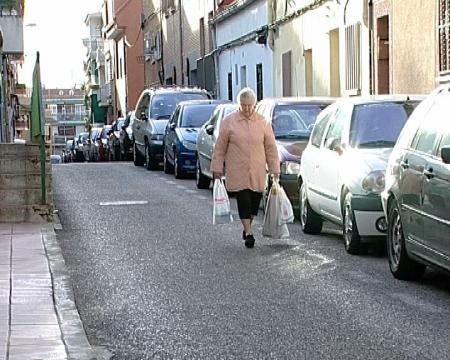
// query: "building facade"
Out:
[94,67]
[66,109]
[124,53]
[243,56]
[11,30]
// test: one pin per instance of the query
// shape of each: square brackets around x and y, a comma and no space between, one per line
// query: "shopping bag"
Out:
[287,213]
[221,204]
[271,225]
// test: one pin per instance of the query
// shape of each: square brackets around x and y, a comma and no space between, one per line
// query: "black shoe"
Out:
[249,241]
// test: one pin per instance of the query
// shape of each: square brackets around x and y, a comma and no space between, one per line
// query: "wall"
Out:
[246,21]
[128,15]
[413,47]
[309,32]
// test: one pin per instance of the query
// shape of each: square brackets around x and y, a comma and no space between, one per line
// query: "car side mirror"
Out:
[335,145]
[172,126]
[445,154]
[144,116]
[209,129]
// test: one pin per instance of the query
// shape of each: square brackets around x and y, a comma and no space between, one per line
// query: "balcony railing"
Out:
[106,93]
[75,117]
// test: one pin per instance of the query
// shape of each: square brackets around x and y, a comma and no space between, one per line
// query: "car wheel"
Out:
[179,174]
[310,221]
[168,168]
[202,181]
[150,163]
[401,265]
[350,231]
[137,157]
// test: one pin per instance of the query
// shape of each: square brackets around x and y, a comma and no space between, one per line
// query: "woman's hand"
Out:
[217,175]
[275,177]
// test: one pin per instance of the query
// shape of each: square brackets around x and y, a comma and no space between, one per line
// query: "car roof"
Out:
[202,102]
[301,99]
[173,89]
[358,100]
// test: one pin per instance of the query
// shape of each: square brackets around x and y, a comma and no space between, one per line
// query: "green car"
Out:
[416,199]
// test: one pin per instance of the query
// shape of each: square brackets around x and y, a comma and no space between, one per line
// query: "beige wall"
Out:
[308,34]
[413,46]
[151,10]
[191,13]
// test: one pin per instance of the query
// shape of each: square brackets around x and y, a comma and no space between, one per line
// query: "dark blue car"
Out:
[180,138]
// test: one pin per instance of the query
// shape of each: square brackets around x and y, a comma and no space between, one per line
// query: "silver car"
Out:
[206,140]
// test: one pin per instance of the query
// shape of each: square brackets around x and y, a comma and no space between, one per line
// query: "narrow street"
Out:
[155,280]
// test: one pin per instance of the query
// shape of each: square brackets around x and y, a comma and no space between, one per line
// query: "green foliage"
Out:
[9,4]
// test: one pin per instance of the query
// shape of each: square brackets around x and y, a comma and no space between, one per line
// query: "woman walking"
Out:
[245,145]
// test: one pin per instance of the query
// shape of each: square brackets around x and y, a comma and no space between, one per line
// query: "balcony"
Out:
[105,94]
[11,24]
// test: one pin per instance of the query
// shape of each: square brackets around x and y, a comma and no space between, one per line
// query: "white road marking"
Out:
[191,191]
[180,187]
[122,203]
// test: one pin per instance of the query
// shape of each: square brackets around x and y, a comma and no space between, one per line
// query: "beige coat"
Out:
[245,146]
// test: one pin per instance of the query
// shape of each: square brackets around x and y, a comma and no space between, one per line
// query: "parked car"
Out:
[343,166]
[180,137]
[153,110]
[206,141]
[81,146]
[67,154]
[114,139]
[55,159]
[416,199]
[94,144]
[126,137]
[292,121]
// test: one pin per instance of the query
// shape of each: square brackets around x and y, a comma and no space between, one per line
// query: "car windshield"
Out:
[195,116]
[163,105]
[295,120]
[120,123]
[379,124]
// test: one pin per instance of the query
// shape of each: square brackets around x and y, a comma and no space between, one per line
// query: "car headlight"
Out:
[158,137]
[189,145]
[374,182]
[290,168]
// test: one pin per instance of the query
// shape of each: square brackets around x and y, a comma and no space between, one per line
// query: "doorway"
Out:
[383,55]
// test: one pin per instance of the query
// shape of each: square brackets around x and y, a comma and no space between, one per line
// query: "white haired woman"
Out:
[245,145]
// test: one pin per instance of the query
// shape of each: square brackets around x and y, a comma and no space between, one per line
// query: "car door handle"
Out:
[404,164]
[429,173]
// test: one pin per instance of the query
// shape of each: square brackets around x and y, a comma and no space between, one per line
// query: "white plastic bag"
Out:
[271,226]
[221,204]
[287,213]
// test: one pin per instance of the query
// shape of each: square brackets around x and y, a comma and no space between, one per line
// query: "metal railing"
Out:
[106,93]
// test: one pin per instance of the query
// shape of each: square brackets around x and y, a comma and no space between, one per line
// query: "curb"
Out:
[73,334]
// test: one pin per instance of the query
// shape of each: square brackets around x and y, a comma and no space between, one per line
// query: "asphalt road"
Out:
[156,280]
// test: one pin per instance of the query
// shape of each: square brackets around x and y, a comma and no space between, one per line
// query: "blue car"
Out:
[180,138]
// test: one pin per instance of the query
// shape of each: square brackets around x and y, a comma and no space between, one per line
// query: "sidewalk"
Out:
[38,317]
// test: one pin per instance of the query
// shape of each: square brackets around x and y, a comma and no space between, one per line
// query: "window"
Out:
[211,34]
[444,36]
[336,129]
[142,106]
[243,76]
[286,70]
[319,129]
[259,82]
[202,36]
[230,86]
[353,59]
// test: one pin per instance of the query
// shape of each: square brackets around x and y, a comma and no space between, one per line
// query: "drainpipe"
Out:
[181,42]
[161,42]
[371,48]
[215,57]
